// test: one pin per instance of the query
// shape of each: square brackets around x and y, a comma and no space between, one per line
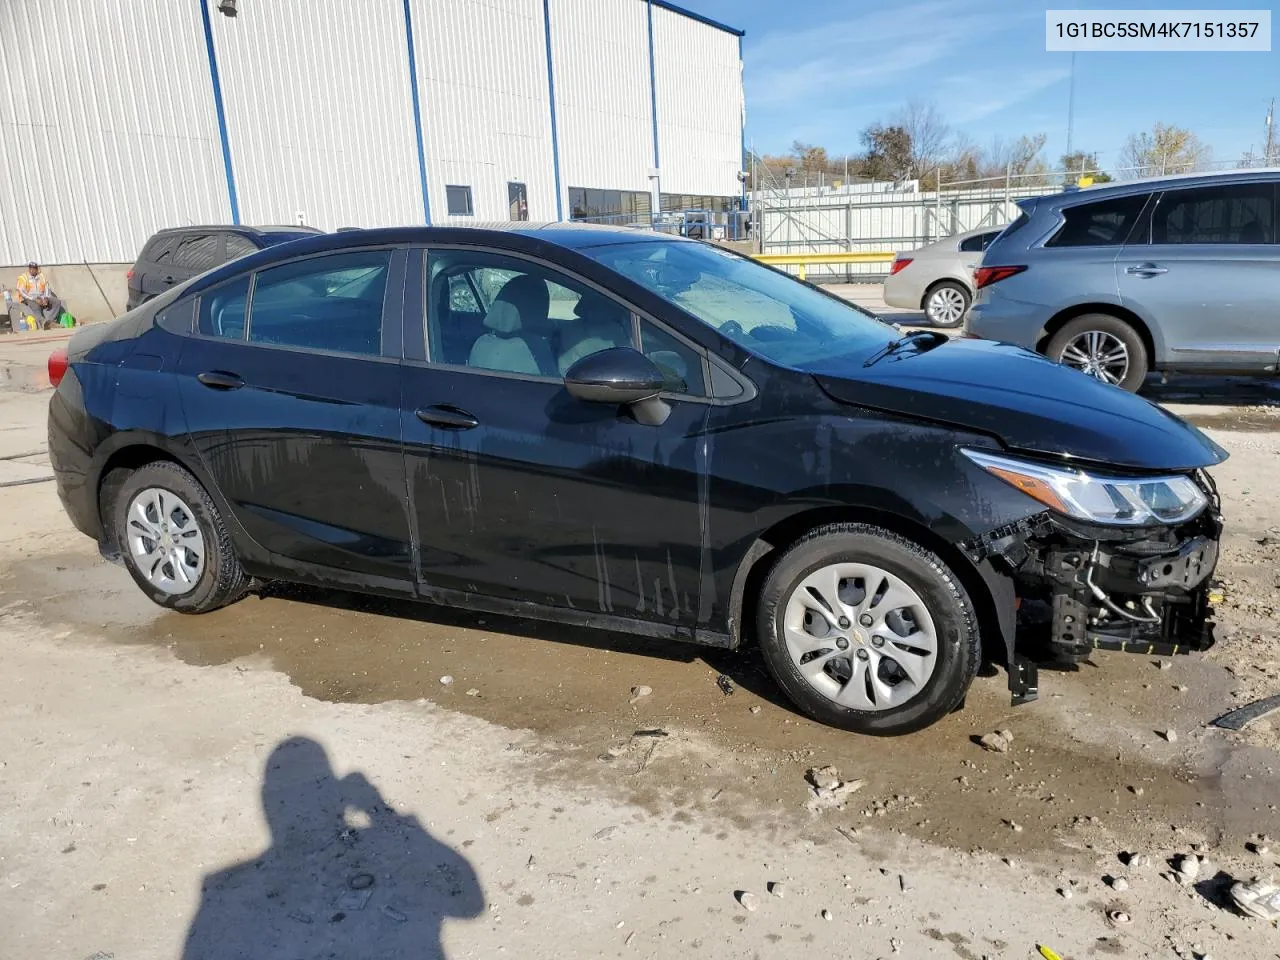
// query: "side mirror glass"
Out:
[619,375]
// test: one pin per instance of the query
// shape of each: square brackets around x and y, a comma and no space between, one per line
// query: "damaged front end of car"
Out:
[1120,564]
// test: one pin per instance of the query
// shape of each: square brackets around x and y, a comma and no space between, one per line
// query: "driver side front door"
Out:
[523,494]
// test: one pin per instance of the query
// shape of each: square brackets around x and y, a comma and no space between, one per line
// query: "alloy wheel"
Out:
[860,636]
[946,306]
[1101,355]
[165,541]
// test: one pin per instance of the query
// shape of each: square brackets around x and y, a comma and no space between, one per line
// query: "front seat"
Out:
[511,344]
[598,324]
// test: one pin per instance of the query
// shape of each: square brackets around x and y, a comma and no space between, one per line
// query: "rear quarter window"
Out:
[1103,223]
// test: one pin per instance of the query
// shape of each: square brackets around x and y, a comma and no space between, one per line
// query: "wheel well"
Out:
[787,532]
[1060,320]
[119,465]
[924,298]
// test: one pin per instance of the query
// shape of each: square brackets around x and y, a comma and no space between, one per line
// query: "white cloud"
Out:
[865,51]
[968,97]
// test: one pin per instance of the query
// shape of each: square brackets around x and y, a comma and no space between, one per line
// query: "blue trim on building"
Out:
[742,120]
[551,95]
[674,8]
[417,114]
[653,88]
[220,110]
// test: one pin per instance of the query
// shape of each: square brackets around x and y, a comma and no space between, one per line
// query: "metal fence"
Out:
[815,214]
[862,218]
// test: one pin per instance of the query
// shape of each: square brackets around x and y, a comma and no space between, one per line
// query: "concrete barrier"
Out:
[91,292]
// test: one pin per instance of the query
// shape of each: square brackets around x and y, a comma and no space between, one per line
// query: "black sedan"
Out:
[636,433]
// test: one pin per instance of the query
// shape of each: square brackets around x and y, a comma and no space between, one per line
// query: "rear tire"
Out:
[173,541]
[946,304]
[1094,345]
[889,635]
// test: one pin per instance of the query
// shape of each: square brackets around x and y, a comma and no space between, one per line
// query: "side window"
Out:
[331,303]
[975,244]
[222,310]
[1234,213]
[458,201]
[197,252]
[680,364]
[239,246]
[528,320]
[1106,223]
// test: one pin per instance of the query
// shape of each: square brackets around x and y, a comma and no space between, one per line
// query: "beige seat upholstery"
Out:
[511,344]
[598,324]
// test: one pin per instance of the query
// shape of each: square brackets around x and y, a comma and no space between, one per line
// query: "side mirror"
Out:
[622,376]
[619,375]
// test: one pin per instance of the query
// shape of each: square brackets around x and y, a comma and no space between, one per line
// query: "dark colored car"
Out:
[176,255]
[637,433]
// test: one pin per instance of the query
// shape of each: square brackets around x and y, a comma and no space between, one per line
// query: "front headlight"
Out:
[1131,502]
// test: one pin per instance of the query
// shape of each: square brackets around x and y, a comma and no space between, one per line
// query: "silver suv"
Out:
[1175,274]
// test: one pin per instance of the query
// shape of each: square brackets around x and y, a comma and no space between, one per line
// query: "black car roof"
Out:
[524,237]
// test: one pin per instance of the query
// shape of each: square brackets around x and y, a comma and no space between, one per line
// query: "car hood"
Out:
[1028,402]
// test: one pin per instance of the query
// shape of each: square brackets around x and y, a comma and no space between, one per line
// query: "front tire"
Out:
[946,304]
[1103,347]
[173,540]
[868,631]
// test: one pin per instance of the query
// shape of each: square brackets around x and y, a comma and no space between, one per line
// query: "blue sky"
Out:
[822,70]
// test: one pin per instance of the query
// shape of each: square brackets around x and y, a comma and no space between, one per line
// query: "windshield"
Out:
[759,309]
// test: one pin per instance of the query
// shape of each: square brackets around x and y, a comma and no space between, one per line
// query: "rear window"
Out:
[157,250]
[1104,223]
[978,242]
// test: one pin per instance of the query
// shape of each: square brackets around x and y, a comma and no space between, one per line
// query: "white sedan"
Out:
[938,278]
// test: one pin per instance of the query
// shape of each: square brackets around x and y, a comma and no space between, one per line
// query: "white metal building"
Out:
[355,113]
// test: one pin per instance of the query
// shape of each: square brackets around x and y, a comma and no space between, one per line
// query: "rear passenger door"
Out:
[1206,271]
[520,492]
[291,397]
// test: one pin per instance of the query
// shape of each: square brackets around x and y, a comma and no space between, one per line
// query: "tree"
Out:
[809,158]
[1166,149]
[928,134]
[1079,163]
[888,156]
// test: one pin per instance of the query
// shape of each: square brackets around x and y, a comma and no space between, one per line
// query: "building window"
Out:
[459,201]
[677,202]
[517,201]
[608,206]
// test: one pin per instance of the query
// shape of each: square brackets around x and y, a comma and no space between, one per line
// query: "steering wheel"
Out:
[731,329]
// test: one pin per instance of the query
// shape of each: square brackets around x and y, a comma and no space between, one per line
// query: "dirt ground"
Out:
[290,777]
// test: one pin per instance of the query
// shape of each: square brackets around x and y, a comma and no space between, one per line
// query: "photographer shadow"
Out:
[344,876]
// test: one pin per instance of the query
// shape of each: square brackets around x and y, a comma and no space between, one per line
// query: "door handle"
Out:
[447,417]
[1145,270]
[218,380]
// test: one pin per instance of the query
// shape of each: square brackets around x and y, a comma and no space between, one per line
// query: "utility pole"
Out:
[1071,105]
[1270,151]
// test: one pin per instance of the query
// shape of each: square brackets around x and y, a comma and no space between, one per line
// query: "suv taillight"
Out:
[986,276]
[129,275]
[58,363]
[899,264]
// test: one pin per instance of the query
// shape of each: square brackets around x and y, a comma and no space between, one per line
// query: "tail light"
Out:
[58,364]
[986,276]
[899,264]
[129,275]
